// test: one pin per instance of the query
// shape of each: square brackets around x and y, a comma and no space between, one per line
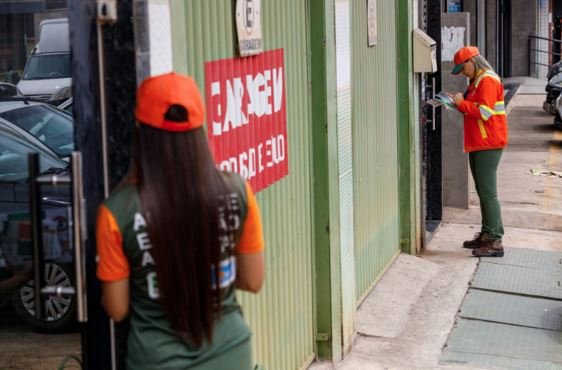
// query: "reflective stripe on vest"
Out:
[487,112]
[486,74]
[482,129]
[499,107]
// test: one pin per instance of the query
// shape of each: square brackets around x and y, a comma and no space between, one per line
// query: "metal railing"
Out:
[534,51]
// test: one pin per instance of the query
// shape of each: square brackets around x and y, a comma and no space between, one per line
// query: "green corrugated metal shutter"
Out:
[281,316]
[375,153]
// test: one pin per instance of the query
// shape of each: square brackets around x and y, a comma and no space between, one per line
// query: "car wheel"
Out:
[60,310]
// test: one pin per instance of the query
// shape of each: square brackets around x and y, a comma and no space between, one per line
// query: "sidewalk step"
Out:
[512,217]
[512,309]
[492,345]
[529,258]
[472,337]
[385,311]
[511,316]
[499,362]
[518,280]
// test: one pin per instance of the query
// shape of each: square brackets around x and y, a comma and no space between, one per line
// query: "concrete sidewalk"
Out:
[406,320]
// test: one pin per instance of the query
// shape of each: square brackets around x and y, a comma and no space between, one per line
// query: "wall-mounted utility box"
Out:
[425,53]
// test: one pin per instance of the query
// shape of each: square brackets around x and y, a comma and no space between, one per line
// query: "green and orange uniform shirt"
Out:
[485,123]
[124,252]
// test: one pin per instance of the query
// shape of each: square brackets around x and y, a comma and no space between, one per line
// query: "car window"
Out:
[66,105]
[68,108]
[52,127]
[46,66]
[13,159]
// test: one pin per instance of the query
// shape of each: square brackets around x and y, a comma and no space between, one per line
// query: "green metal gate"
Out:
[375,152]
[281,316]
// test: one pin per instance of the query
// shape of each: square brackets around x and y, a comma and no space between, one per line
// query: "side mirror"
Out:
[13,77]
[8,90]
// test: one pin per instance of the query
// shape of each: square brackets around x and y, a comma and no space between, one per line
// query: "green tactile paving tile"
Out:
[494,362]
[475,338]
[518,280]
[512,309]
[528,258]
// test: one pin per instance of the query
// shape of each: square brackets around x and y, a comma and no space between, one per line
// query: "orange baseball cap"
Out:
[157,94]
[462,56]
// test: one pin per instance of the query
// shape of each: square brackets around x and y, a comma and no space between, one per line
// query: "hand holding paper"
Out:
[445,99]
[458,98]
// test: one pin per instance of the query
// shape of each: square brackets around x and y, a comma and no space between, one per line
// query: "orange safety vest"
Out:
[485,122]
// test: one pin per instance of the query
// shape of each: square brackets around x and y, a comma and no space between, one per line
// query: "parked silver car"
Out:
[32,127]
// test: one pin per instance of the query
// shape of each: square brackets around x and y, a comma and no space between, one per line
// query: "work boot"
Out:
[479,239]
[492,248]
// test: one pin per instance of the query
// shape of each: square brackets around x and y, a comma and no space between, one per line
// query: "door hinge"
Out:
[322,337]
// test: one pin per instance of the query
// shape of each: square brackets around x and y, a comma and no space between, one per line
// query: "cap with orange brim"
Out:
[463,55]
[157,94]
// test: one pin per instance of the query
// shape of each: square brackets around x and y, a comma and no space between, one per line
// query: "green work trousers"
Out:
[484,168]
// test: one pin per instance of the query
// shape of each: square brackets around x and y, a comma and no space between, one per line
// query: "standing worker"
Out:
[485,136]
[176,241]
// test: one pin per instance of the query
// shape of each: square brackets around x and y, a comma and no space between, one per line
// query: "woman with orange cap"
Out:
[485,136]
[175,243]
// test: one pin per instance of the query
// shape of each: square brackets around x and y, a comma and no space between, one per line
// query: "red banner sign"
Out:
[246,116]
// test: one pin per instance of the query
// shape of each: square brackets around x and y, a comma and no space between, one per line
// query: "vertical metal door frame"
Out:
[433,157]
[406,137]
[500,38]
[325,185]
[507,37]
[481,25]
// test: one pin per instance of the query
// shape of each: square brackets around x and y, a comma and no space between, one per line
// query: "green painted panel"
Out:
[375,152]
[328,294]
[282,314]
[406,138]
[345,167]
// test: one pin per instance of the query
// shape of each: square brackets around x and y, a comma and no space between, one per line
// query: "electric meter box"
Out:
[425,53]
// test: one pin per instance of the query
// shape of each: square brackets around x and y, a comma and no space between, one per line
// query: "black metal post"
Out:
[96,351]
[120,85]
[36,233]
[529,42]
[433,149]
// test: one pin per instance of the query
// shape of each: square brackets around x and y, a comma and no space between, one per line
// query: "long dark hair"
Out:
[180,188]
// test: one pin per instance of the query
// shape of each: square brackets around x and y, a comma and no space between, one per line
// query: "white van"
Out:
[47,73]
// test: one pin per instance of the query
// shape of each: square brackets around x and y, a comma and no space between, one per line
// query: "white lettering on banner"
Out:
[259,96]
[275,149]
[278,87]
[216,90]
[260,162]
[235,117]
[246,97]
[268,154]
